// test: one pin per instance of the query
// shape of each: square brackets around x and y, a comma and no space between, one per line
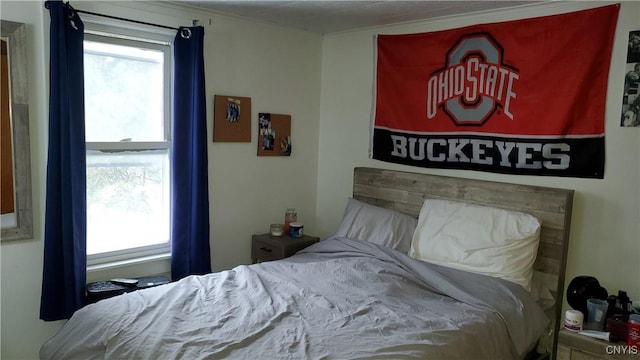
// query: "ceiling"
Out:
[331,16]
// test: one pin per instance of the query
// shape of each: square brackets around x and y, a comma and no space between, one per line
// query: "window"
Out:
[127,119]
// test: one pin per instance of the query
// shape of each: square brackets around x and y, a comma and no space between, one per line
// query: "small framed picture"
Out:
[231,119]
[274,134]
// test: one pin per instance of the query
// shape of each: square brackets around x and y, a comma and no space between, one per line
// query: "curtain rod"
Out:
[185,32]
[129,20]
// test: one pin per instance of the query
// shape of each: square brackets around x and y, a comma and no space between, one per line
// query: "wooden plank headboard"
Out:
[405,192]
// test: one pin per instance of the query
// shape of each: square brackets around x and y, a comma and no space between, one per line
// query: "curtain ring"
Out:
[185,33]
[71,14]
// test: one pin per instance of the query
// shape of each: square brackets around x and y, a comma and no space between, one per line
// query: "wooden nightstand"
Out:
[265,247]
[572,346]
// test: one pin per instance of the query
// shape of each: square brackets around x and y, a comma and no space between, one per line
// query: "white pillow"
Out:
[378,225]
[479,239]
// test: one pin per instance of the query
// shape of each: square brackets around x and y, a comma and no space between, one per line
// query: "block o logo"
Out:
[474,83]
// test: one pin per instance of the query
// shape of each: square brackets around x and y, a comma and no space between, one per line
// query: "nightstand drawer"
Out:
[266,252]
[566,353]
[573,346]
[265,247]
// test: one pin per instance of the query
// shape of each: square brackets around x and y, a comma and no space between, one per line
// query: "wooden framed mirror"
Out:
[15,169]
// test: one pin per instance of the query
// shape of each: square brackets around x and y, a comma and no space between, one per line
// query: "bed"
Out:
[354,295]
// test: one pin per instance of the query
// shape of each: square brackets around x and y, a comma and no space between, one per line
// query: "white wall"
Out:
[278,68]
[281,71]
[605,237]
[21,261]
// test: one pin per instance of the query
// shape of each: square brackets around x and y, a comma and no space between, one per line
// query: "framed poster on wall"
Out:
[631,97]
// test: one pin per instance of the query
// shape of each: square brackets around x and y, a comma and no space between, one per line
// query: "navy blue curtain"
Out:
[65,228]
[190,252]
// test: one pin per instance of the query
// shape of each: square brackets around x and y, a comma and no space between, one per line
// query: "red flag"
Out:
[524,97]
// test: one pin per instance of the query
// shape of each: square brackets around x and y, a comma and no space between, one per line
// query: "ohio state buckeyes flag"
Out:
[520,97]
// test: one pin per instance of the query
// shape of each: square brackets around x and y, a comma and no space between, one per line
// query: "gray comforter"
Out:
[338,299]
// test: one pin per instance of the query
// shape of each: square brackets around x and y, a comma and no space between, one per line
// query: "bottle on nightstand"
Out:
[289,216]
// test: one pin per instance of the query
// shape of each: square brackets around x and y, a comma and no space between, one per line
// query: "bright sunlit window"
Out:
[127,117]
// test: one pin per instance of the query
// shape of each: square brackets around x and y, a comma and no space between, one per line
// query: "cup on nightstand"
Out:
[596,314]
[295,229]
[276,229]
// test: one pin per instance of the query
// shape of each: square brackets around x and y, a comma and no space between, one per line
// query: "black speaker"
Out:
[582,288]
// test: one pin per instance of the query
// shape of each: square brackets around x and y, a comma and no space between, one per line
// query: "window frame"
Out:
[98,30]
